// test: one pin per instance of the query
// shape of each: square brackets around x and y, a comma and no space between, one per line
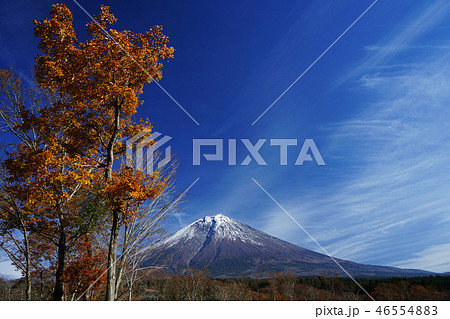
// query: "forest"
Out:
[154,285]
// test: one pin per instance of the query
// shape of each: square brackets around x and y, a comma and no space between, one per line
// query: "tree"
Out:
[5,288]
[84,274]
[141,232]
[18,250]
[97,84]
[14,120]
[41,179]
[194,284]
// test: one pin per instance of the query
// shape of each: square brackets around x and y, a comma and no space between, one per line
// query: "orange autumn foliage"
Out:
[61,175]
[95,87]
[128,189]
[98,81]
[85,273]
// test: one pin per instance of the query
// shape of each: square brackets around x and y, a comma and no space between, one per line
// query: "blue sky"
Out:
[376,105]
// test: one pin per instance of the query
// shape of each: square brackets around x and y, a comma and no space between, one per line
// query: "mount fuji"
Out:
[228,249]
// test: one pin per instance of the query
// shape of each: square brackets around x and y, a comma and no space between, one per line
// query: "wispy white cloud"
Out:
[435,258]
[399,41]
[390,200]
[379,48]
[402,143]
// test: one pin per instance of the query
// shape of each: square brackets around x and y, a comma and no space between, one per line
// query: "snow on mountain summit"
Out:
[219,227]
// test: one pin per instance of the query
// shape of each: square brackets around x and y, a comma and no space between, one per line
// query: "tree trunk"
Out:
[112,249]
[58,293]
[112,142]
[41,293]
[123,258]
[27,267]
[130,291]
[112,258]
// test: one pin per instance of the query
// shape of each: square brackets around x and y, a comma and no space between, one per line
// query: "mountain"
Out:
[229,248]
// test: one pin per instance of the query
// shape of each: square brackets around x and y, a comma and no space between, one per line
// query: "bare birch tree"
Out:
[139,234]
[16,104]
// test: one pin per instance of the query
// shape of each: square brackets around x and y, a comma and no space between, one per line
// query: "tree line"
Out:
[195,285]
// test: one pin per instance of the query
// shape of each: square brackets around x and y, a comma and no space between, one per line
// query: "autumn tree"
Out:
[17,105]
[42,182]
[97,84]
[84,273]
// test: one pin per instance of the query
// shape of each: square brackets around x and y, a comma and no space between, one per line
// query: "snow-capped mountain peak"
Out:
[229,248]
[219,227]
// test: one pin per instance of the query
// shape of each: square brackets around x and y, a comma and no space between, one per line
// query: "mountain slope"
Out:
[229,248]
